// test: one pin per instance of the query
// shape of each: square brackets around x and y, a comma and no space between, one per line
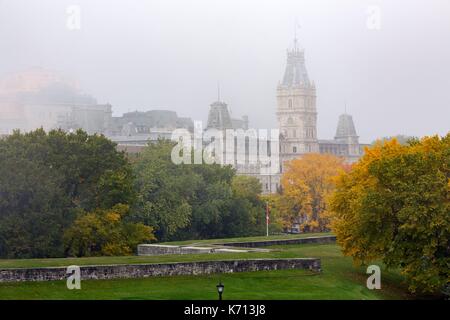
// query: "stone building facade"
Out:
[297,123]
[296,109]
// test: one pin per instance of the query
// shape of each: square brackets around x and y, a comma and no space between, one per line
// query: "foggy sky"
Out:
[166,54]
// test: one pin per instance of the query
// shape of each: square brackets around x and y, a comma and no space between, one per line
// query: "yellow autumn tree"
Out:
[306,185]
[394,205]
[105,232]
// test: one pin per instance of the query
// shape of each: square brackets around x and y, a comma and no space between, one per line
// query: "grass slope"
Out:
[339,280]
[62,262]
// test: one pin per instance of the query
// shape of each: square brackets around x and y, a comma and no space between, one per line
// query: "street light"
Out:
[220,288]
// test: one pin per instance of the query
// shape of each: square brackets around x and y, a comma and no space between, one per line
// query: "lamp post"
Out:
[220,288]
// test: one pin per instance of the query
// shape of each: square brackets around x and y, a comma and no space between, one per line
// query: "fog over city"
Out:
[393,77]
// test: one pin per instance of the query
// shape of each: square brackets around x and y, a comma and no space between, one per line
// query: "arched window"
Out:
[290,120]
[290,103]
[294,149]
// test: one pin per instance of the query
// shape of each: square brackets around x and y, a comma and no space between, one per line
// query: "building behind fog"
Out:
[137,122]
[297,116]
[133,130]
[38,98]
[297,122]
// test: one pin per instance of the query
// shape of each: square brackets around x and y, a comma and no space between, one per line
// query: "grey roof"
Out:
[295,73]
[219,117]
[346,127]
[153,119]
[323,141]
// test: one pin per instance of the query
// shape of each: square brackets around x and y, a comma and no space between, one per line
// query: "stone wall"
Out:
[266,243]
[159,249]
[162,269]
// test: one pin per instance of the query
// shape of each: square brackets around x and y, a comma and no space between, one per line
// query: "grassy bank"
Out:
[339,280]
[62,262]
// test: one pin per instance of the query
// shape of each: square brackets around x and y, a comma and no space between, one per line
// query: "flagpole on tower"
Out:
[296,27]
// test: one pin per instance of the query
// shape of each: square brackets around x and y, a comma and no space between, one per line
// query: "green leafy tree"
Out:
[194,201]
[163,189]
[32,209]
[56,175]
[247,215]
[211,200]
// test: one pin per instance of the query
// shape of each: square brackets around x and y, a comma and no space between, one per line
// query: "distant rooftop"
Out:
[295,73]
[346,127]
[219,117]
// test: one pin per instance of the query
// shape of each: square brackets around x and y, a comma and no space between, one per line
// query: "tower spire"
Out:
[295,73]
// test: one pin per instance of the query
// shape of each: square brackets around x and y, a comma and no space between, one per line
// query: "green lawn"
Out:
[248,239]
[339,280]
[62,262]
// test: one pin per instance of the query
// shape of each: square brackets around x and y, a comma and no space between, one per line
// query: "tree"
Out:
[402,139]
[210,202]
[193,201]
[32,209]
[395,205]
[163,189]
[277,221]
[56,175]
[247,214]
[224,205]
[105,232]
[81,160]
[306,184]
